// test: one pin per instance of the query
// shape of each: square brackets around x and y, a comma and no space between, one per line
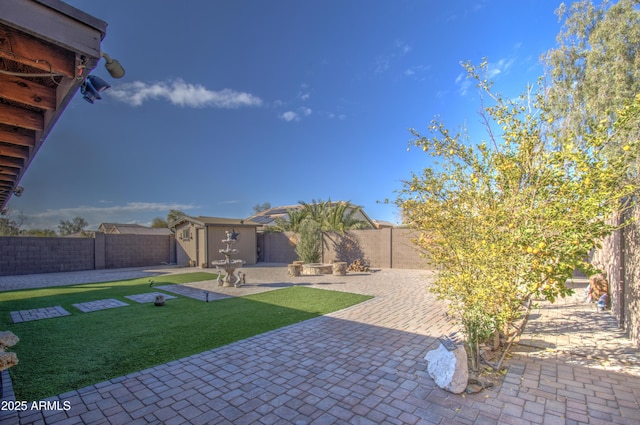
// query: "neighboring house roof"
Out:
[132,229]
[268,217]
[380,224]
[212,221]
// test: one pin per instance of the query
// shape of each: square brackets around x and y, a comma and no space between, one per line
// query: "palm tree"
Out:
[295,218]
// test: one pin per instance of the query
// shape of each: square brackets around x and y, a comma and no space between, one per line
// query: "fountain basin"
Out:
[229,267]
[316,268]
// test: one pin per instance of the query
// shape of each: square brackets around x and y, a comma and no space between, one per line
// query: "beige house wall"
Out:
[186,244]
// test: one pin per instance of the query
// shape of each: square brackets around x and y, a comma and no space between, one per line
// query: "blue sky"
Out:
[229,104]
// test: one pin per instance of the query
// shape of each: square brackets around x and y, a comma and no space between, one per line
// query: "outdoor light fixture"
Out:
[18,191]
[113,66]
[91,88]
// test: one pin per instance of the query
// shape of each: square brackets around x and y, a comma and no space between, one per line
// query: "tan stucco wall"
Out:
[385,248]
[246,245]
[185,248]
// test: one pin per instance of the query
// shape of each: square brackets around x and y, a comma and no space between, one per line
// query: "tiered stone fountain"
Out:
[229,265]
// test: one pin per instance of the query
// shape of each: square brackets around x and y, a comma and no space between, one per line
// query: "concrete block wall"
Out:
[619,259]
[276,247]
[630,293]
[381,248]
[32,255]
[137,250]
[29,255]
[404,253]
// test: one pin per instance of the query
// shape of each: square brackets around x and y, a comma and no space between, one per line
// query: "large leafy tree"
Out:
[512,217]
[9,227]
[595,68]
[258,208]
[68,227]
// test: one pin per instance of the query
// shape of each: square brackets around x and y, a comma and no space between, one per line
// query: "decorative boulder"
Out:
[294,269]
[339,269]
[449,369]
[7,339]
[7,360]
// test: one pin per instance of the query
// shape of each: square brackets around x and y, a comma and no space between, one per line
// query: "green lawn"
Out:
[61,354]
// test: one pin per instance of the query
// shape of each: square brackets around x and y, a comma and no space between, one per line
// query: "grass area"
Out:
[61,354]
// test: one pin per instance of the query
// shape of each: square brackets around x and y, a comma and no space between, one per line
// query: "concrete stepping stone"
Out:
[99,305]
[148,297]
[195,293]
[38,314]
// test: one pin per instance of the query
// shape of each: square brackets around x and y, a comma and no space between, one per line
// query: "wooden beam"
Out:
[17,117]
[9,171]
[11,162]
[56,22]
[16,136]
[6,178]
[27,92]
[25,49]
[14,151]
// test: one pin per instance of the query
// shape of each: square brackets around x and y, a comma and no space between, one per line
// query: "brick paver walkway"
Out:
[38,314]
[195,293]
[148,297]
[99,305]
[361,365]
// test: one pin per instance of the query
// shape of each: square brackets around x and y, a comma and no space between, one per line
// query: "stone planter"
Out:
[294,269]
[316,269]
[339,269]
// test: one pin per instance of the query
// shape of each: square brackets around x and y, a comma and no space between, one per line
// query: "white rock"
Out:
[449,369]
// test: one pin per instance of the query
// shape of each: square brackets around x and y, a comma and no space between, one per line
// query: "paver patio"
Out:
[361,365]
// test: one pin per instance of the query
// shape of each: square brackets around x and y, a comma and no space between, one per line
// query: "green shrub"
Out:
[309,245]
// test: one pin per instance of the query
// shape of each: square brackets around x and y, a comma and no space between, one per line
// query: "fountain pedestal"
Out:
[229,265]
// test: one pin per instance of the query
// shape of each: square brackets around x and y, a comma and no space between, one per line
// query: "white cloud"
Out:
[289,116]
[340,117]
[417,72]
[127,213]
[385,61]
[463,83]
[180,93]
[296,116]
[402,47]
[502,66]
[130,207]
